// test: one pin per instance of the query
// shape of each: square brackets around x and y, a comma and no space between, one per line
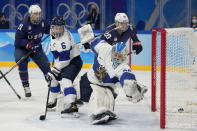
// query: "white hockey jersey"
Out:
[102,71]
[64,49]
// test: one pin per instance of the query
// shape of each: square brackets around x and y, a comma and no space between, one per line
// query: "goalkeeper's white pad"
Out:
[86,33]
[101,98]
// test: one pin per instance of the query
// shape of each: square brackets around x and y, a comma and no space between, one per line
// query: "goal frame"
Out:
[162,77]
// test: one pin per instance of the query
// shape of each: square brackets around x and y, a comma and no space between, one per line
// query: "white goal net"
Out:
[174,77]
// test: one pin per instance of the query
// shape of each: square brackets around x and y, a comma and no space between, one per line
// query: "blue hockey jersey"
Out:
[113,36]
[27,32]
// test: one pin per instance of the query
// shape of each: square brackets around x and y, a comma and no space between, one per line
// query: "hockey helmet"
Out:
[57,26]
[122,20]
[35,14]
[119,53]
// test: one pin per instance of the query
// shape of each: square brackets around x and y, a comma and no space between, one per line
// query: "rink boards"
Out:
[139,62]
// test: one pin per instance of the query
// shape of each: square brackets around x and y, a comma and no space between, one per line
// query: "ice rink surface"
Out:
[23,115]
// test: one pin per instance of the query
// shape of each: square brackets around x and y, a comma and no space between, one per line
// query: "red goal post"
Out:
[173,77]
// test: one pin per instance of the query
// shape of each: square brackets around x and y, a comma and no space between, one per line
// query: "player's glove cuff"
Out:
[34,48]
[55,70]
[137,47]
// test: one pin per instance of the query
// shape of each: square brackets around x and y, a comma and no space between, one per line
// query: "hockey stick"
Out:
[24,57]
[43,117]
[132,52]
[118,27]
[19,97]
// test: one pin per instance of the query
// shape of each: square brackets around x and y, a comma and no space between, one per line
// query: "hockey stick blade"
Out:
[19,97]
[42,117]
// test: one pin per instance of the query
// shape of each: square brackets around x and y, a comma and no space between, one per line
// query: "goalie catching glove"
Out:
[134,92]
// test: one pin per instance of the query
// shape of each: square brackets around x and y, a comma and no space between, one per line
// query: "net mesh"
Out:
[181,80]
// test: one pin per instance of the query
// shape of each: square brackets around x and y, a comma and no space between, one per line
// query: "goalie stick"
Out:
[24,57]
[108,31]
[19,97]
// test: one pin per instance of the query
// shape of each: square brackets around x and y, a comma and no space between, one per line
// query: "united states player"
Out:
[109,71]
[68,64]
[124,33]
[27,38]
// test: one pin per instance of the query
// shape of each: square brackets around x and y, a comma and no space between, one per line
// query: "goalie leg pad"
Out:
[85,88]
[101,105]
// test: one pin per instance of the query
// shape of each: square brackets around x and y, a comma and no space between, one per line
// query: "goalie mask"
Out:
[57,27]
[122,20]
[119,54]
[35,14]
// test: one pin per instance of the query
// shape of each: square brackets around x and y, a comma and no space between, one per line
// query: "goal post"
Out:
[174,77]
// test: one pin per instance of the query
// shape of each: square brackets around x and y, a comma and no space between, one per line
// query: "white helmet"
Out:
[122,18]
[34,9]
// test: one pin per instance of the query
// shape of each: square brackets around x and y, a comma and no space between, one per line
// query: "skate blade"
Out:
[101,121]
[27,98]
[70,115]
[51,109]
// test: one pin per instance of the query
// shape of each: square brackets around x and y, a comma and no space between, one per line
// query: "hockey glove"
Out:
[137,47]
[56,72]
[31,47]
[133,91]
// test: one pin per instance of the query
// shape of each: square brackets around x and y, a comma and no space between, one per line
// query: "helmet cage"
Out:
[119,53]
[56,24]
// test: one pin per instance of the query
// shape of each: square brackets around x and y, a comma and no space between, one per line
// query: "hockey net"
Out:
[174,77]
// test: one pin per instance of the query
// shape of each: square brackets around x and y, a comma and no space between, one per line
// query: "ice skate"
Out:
[27,90]
[79,103]
[103,117]
[52,104]
[71,111]
[52,101]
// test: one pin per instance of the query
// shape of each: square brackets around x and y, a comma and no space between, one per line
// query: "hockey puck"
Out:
[180,110]
[42,117]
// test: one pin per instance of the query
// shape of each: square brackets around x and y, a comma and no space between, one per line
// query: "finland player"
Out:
[124,33]
[109,71]
[27,38]
[68,64]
